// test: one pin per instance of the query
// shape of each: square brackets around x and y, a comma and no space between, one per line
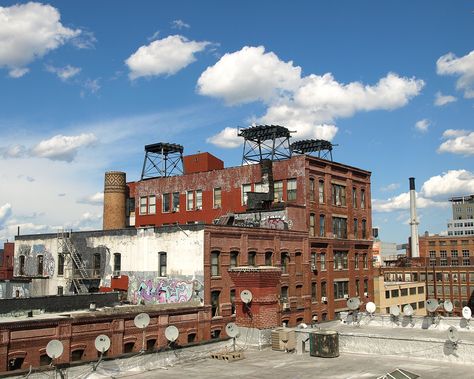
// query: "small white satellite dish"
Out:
[453,335]
[448,306]
[246,296]
[408,310]
[171,333]
[370,307]
[432,305]
[353,303]
[232,330]
[102,343]
[466,313]
[394,310]
[54,349]
[141,320]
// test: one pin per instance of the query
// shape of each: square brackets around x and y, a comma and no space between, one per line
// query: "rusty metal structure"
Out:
[323,148]
[162,160]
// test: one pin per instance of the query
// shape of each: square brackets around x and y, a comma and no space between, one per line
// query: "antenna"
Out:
[432,305]
[466,313]
[408,310]
[246,296]
[453,336]
[353,303]
[171,333]
[370,307]
[232,331]
[54,349]
[395,311]
[448,306]
[141,321]
[102,344]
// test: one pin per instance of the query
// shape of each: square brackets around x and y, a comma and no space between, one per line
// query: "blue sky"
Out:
[84,86]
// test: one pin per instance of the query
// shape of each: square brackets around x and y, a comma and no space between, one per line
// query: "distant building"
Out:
[462,223]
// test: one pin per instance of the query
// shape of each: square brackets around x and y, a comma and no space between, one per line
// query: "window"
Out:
[311,189]
[321,192]
[39,260]
[404,292]
[354,197]
[217,197]
[232,301]
[117,262]
[356,227]
[96,263]
[215,263]
[364,229]
[245,190]
[251,258]
[443,254]
[311,224]
[465,253]
[394,293]
[356,260]
[338,195]
[151,204]
[432,254]
[366,261]
[189,200]
[387,294]
[278,190]
[143,205]
[299,263]
[162,262]
[413,291]
[60,290]
[198,199]
[234,259]
[284,294]
[323,289]
[313,261]
[366,287]
[268,258]
[128,347]
[362,198]
[284,263]
[340,260]
[61,264]
[175,201]
[322,257]
[421,304]
[454,253]
[465,262]
[339,227]
[291,189]
[357,284]
[215,303]
[76,355]
[341,290]
[314,294]
[322,226]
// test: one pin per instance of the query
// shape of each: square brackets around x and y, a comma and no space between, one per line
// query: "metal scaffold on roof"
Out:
[322,147]
[162,160]
[265,142]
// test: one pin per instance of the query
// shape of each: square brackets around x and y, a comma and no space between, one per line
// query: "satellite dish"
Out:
[54,349]
[232,330]
[453,335]
[246,296]
[448,306]
[466,313]
[141,320]
[102,343]
[408,310]
[395,310]
[171,333]
[370,307]
[353,303]
[432,305]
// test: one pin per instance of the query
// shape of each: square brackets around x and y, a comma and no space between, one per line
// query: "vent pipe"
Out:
[414,244]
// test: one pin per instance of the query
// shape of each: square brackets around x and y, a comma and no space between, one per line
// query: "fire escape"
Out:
[78,273]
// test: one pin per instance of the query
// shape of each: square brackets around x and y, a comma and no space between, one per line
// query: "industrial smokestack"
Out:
[414,245]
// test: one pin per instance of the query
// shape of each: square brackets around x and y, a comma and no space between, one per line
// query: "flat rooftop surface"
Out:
[275,364]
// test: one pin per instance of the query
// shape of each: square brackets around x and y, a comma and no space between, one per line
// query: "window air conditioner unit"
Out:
[346,296]
[285,306]
[116,274]
[324,299]
[198,208]
[366,294]
[313,267]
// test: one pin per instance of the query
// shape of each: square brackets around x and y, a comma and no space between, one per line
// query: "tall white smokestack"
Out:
[414,246]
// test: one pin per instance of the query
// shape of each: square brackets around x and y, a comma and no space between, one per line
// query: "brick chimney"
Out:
[263,312]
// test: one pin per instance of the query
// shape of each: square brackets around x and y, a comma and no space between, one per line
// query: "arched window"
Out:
[268,258]
[215,303]
[311,189]
[252,258]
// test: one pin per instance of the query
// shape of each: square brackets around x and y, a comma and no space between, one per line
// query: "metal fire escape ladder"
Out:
[67,248]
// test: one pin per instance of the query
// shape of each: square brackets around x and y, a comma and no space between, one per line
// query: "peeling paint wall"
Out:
[139,252]
[9,290]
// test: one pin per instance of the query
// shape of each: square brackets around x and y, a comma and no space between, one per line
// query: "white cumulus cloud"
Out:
[422,125]
[63,148]
[402,202]
[308,105]
[226,138]
[163,57]
[457,142]
[441,99]
[63,73]
[94,199]
[29,31]
[463,67]
[5,213]
[448,184]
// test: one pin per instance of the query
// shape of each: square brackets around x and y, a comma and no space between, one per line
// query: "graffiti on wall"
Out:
[33,260]
[271,220]
[149,289]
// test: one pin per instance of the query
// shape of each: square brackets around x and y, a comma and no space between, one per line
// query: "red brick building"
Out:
[6,261]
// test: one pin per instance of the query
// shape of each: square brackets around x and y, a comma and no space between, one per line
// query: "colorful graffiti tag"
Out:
[163,290]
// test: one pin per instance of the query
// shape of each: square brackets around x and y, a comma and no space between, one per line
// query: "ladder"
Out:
[66,247]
